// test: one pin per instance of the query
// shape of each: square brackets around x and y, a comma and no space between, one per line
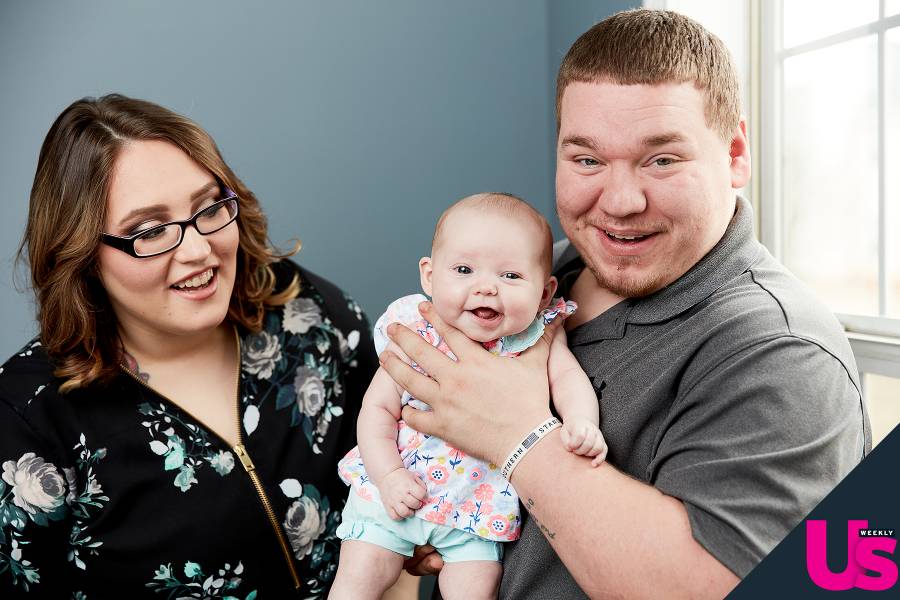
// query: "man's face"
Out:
[644,188]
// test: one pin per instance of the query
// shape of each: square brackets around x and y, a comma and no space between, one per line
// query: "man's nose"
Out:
[623,194]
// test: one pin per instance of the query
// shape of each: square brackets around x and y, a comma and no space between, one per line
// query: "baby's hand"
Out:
[402,493]
[582,437]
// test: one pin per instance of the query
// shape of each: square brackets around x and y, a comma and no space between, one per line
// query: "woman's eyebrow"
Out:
[156,209]
[145,211]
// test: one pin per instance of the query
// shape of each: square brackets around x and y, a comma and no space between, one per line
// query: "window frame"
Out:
[875,339]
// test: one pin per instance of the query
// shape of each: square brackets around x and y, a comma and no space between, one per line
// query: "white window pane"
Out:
[892,159]
[883,403]
[830,178]
[807,20]
[891,7]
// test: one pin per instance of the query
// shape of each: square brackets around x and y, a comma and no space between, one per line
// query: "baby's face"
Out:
[485,276]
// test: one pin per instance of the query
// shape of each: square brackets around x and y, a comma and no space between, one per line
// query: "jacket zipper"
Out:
[246,462]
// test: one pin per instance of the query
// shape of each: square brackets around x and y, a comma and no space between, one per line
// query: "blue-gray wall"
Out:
[356,122]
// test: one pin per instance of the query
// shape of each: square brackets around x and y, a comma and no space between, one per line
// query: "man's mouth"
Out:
[197,282]
[633,238]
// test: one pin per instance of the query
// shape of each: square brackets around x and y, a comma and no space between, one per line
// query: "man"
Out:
[728,395]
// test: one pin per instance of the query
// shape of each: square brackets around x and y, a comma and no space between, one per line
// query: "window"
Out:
[822,94]
[829,99]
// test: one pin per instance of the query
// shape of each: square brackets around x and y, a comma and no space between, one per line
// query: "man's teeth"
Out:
[625,237]
[194,282]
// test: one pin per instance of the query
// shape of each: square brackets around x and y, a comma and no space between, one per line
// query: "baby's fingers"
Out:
[598,460]
[411,501]
[402,510]
[419,490]
[586,448]
[573,437]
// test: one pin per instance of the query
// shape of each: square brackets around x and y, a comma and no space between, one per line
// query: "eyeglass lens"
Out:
[164,238]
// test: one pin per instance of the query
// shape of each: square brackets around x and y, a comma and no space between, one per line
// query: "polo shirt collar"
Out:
[731,256]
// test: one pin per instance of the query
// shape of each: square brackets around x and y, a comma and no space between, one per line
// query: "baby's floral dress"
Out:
[116,492]
[463,492]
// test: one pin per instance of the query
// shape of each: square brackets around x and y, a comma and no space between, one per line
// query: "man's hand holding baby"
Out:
[402,493]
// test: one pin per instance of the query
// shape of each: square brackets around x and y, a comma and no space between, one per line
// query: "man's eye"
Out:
[462,270]
[587,162]
[512,276]
[664,161]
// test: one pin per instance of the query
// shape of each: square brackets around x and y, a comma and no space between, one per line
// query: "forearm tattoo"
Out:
[529,504]
[132,365]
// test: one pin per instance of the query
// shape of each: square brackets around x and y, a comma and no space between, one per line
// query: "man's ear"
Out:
[549,290]
[425,272]
[740,156]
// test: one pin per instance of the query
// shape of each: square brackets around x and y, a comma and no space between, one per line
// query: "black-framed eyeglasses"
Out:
[160,239]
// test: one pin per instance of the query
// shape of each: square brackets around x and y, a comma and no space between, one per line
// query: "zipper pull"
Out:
[244,458]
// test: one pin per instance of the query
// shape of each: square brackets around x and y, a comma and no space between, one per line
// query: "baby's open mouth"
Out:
[488,314]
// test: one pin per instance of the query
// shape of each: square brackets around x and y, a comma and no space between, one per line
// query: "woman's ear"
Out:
[549,290]
[425,271]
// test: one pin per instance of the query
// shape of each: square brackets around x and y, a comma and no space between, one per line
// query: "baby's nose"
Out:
[485,287]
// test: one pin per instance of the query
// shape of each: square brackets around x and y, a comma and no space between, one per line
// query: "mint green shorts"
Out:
[367,521]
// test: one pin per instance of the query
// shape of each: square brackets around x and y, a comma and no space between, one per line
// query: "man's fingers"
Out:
[420,420]
[418,349]
[424,561]
[433,563]
[420,552]
[460,344]
[406,377]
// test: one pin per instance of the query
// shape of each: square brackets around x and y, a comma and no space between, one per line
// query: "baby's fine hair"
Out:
[508,205]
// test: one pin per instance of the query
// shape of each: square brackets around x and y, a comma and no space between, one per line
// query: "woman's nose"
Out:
[194,246]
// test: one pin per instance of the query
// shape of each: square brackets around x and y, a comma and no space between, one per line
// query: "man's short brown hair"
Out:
[652,47]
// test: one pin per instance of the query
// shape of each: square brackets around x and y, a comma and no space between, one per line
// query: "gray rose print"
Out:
[260,354]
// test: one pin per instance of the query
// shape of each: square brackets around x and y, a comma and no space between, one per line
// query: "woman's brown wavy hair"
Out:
[66,215]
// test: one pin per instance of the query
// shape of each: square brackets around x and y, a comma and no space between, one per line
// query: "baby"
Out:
[489,276]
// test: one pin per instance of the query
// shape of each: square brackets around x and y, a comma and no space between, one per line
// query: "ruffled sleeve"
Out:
[404,310]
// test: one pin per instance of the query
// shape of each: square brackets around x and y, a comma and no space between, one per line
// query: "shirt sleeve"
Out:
[403,310]
[35,496]
[756,443]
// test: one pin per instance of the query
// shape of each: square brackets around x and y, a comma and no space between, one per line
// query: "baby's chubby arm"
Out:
[575,401]
[402,492]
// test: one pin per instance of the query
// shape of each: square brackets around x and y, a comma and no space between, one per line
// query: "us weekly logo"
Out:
[871,562]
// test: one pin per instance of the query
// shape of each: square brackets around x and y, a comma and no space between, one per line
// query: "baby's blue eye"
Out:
[512,276]
[463,270]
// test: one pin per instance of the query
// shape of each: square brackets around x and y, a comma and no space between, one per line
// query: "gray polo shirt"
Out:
[732,389]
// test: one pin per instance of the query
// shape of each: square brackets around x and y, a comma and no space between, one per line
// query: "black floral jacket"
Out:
[117,493]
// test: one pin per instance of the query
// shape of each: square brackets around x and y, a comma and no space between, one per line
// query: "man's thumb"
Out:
[420,420]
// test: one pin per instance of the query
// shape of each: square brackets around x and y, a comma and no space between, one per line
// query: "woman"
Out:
[173,430]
